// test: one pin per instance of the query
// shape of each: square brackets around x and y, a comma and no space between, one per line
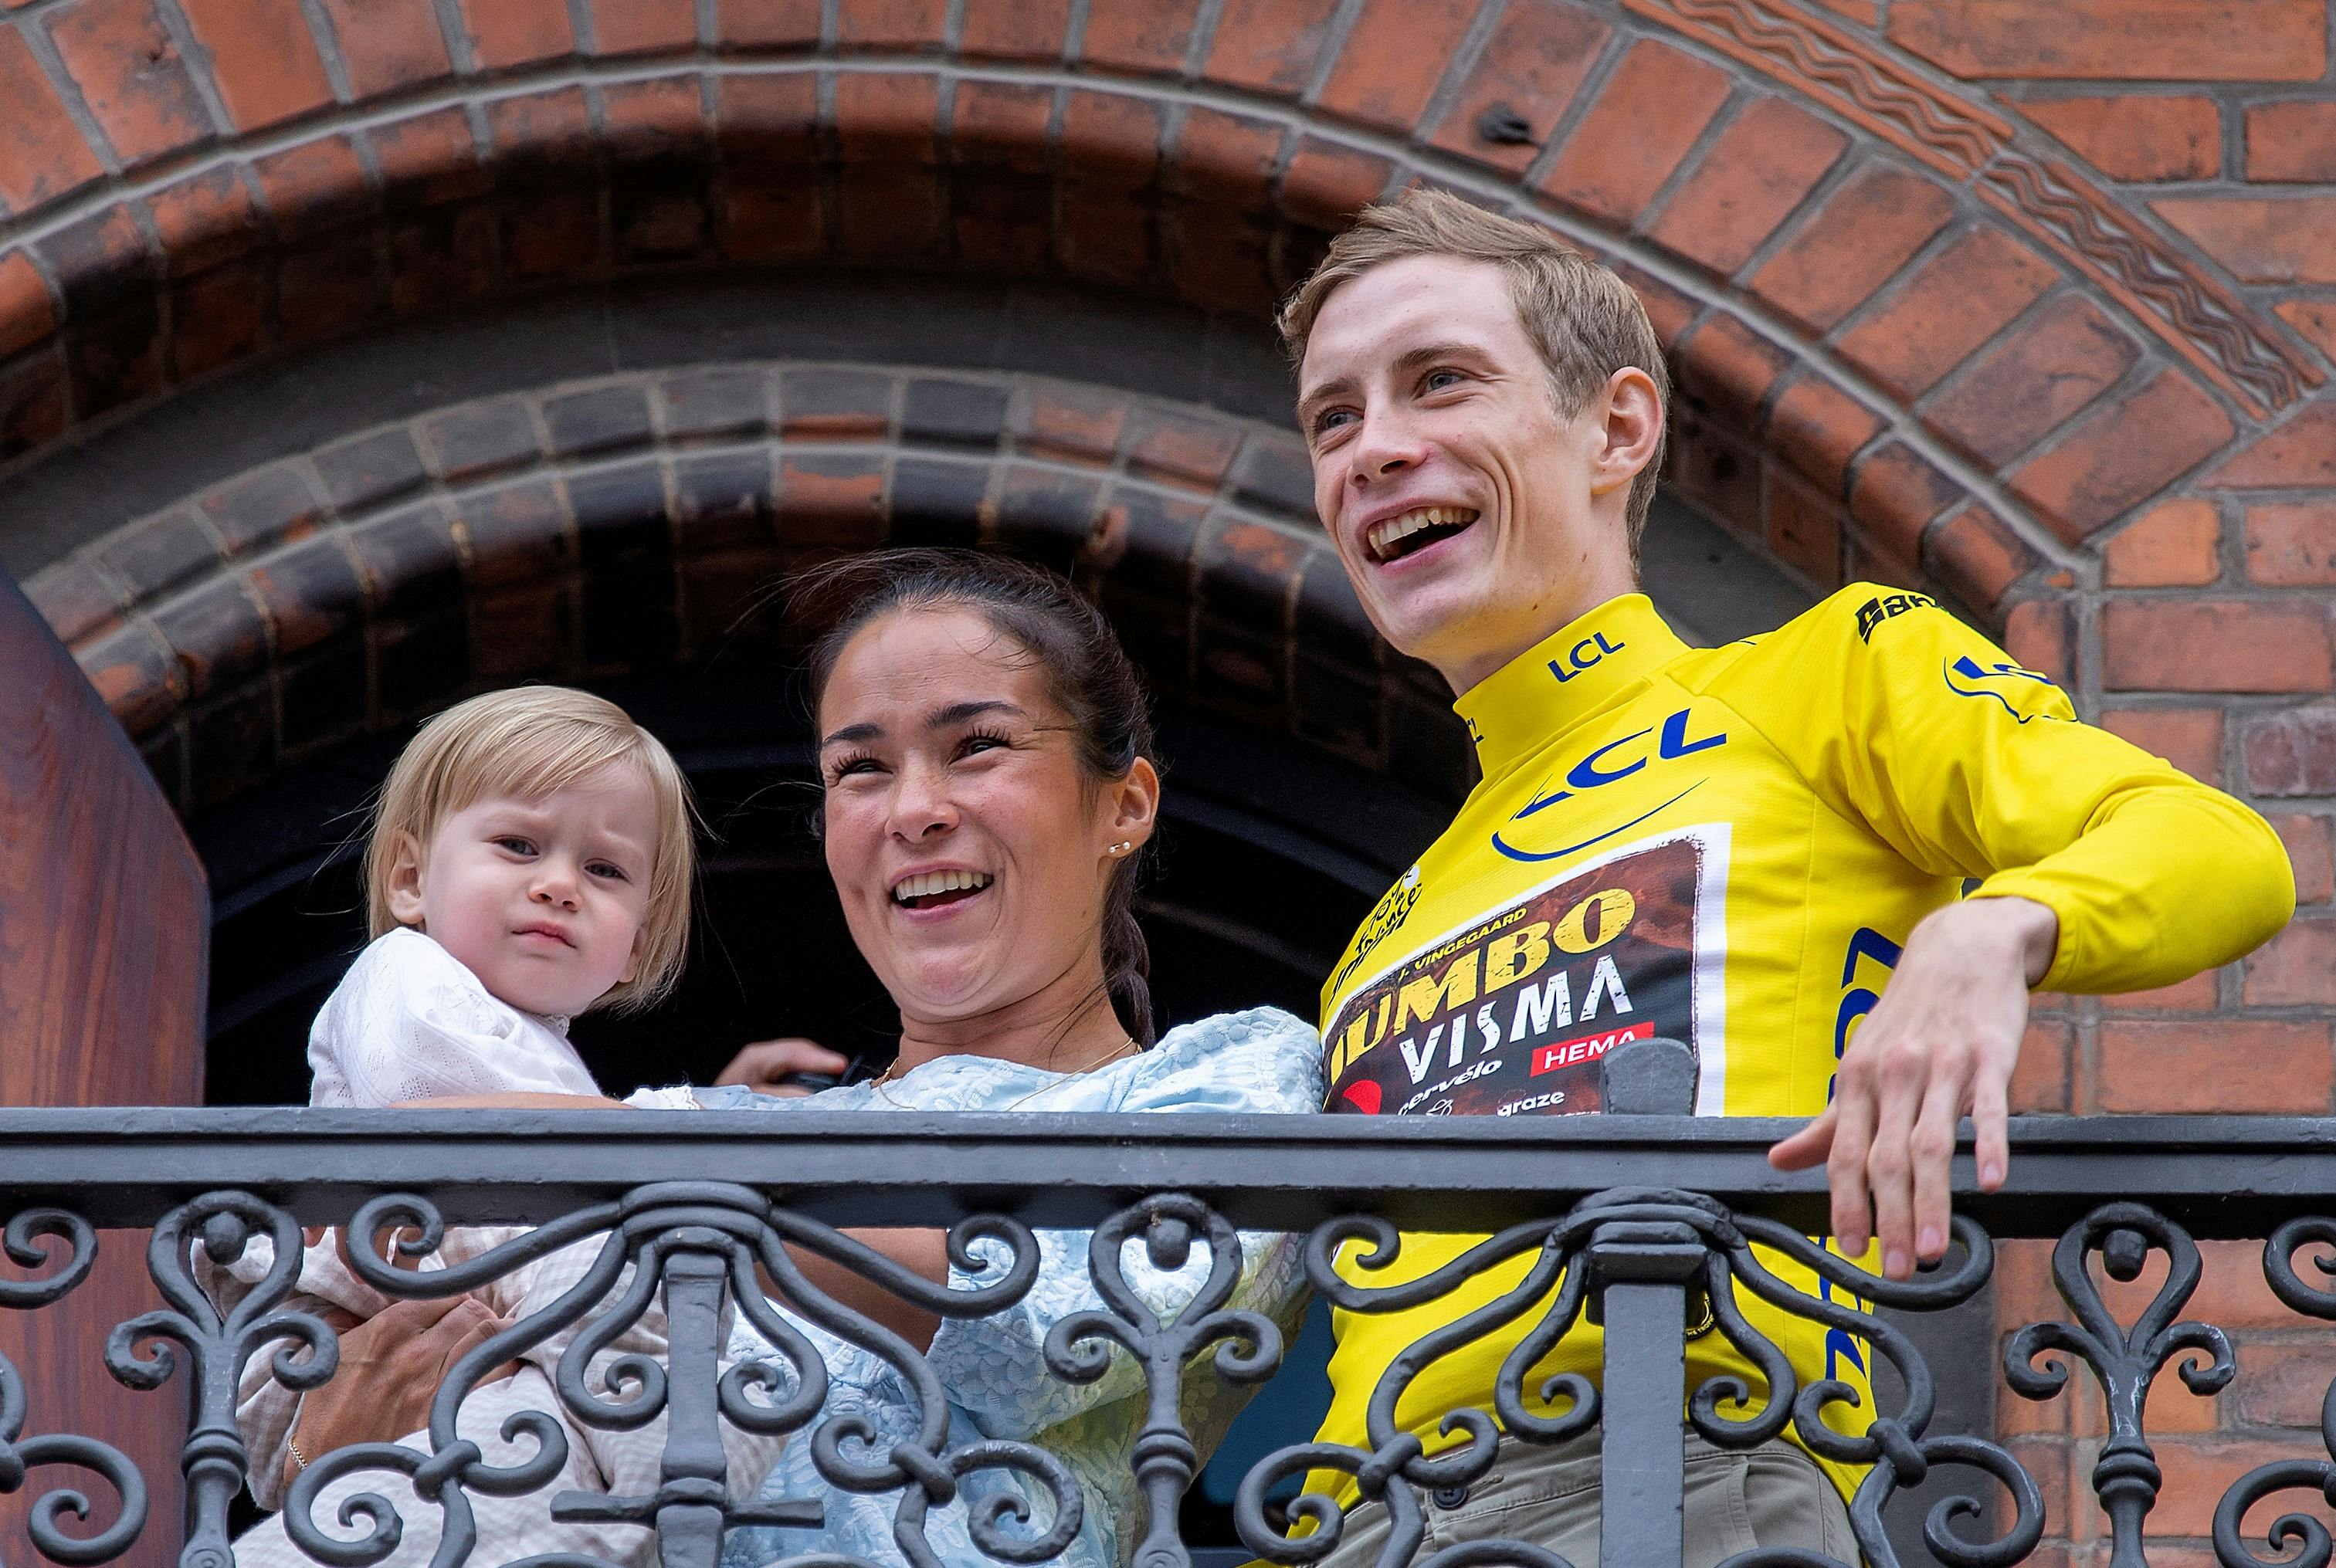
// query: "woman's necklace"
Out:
[1126,1044]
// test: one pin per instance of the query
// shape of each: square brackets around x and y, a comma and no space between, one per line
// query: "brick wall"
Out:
[2031,302]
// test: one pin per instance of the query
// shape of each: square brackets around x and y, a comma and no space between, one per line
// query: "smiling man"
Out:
[1760,850]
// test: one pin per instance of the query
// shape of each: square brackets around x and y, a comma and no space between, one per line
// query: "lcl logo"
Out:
[1584,656]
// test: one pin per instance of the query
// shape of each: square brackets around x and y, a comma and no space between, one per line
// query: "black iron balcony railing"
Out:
[1633,1219]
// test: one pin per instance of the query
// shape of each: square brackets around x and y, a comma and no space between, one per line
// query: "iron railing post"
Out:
[1640,1274]
[694,1469]
[691,1506]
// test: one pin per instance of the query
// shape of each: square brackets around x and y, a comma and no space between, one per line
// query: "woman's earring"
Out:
[1123,847]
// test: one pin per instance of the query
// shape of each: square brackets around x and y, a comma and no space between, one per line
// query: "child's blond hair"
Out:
[530,742]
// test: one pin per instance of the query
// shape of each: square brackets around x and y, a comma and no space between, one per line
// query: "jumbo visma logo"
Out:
[1611,763]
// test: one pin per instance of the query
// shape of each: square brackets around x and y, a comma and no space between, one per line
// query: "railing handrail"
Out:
[2218,1175]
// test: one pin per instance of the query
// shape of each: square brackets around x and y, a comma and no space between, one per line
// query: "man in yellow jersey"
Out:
[1736,847]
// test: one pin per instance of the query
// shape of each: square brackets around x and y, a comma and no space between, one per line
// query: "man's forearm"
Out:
[2166,882]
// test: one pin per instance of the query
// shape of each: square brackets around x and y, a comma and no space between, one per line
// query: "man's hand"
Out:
[760,1066]
[1941,1042]
[390,1366]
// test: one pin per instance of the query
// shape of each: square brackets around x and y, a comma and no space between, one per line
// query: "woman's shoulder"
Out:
[1259,1058]
[1252,1028]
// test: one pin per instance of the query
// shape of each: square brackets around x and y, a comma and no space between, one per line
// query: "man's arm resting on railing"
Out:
[2104,869]
[2166,879]
[1944,1037]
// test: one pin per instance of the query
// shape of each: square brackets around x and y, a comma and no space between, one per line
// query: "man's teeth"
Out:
[1385,536]
[933,882]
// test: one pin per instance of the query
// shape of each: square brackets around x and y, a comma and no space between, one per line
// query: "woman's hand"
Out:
[390,1366]
[762,1065]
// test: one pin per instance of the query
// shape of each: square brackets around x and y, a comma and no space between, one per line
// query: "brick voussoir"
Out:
[1896,492]
[283,563]
[1745,185]
[1728,369]
[2111,458]
[1820,429]
[1853,245]
[1978,555]
[1533,64]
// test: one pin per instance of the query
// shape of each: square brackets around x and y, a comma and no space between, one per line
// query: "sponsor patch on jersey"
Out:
[1888,607]
[1679,735]
[1387,916]
[2018,690]
[1512,1013]
[1565,1053]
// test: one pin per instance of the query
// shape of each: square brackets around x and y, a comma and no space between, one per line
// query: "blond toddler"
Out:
[531,860]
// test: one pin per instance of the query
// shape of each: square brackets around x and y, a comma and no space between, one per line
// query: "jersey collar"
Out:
[1564,678]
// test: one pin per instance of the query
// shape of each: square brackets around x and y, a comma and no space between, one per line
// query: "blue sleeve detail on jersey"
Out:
[1971,669]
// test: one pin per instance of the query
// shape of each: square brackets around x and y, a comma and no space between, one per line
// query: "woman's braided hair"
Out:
[1089,675]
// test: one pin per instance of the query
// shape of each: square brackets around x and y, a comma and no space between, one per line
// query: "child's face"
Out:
[542,898]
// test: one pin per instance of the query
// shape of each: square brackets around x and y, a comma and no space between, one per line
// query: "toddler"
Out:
[531,860]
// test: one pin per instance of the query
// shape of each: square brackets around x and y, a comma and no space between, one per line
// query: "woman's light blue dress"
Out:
[996,1379]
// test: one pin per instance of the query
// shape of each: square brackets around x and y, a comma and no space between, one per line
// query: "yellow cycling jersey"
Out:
[1728,847]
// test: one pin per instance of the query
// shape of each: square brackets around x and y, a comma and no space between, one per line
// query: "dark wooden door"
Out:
[104,921]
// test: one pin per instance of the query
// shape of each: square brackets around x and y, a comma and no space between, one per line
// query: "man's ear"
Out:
[404,890]
[1632,429]
[1136,805]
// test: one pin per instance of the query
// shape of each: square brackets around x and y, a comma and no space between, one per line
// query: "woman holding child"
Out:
[986,796]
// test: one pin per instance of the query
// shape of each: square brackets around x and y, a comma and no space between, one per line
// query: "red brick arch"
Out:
[1934,319]
[1913,345]
[1925,330]
[1914,341]
[630,524]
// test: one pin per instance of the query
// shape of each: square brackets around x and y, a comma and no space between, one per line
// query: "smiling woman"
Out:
[983,746]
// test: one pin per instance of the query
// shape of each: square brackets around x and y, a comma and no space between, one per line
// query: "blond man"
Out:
[1760,850]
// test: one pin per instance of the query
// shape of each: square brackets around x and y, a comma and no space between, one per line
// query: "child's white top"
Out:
[409,1021]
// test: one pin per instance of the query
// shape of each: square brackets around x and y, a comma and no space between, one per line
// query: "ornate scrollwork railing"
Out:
[693,1311]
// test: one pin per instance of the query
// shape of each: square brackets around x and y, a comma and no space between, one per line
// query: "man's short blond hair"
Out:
[1586,321]
[527,742]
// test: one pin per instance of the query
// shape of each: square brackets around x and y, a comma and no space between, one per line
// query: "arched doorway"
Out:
[627,529]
